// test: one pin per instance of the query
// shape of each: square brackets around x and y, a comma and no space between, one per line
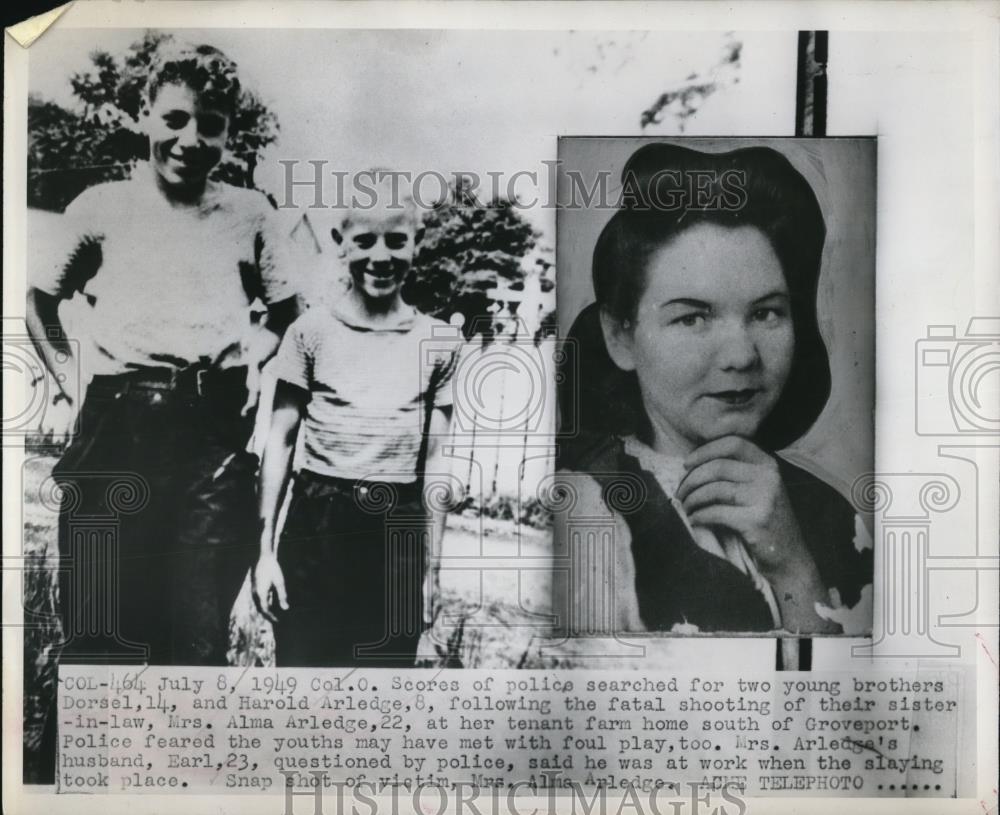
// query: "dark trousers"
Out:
[352,555]
[157,525]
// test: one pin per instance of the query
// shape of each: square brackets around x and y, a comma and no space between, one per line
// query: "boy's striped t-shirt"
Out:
[370,390]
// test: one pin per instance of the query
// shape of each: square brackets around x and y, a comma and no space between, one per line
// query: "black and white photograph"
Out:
[253,392]
[718,303]
[501,406]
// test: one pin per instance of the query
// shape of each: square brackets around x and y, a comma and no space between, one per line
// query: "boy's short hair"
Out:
[204,69]
[377,188]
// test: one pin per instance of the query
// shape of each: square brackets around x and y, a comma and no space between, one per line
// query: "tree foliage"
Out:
[468,249]
[70,150]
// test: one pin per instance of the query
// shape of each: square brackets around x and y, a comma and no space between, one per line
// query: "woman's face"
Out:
[712,341]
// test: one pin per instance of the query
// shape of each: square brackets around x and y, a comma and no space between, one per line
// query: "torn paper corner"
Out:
[29,30]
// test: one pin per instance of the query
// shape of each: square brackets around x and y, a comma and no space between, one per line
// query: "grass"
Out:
[40,592]
[488,615]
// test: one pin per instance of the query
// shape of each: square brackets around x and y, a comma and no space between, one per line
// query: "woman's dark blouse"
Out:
[679,583]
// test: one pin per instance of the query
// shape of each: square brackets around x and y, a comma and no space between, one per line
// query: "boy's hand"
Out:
[67,389]
[253,390]
[267,577]
[59,417]
[731,482]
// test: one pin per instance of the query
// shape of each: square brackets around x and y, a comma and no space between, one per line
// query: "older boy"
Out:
[169,263]
[348,575]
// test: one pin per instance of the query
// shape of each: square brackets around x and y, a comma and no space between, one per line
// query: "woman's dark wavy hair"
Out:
[667,189]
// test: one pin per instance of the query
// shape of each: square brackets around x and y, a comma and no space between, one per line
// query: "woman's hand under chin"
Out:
[732,483]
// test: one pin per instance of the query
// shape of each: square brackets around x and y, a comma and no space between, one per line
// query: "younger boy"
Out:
[169,263]
[348,576]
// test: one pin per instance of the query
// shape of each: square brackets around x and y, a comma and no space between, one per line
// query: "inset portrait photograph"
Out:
[717,299]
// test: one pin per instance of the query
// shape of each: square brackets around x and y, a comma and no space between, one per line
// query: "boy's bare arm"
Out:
[280,315]
[263,345]
[46,332]
[437,517]
[439,424]
[275,472]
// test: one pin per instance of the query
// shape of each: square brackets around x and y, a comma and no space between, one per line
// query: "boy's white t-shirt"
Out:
[371,391]
[164,286]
